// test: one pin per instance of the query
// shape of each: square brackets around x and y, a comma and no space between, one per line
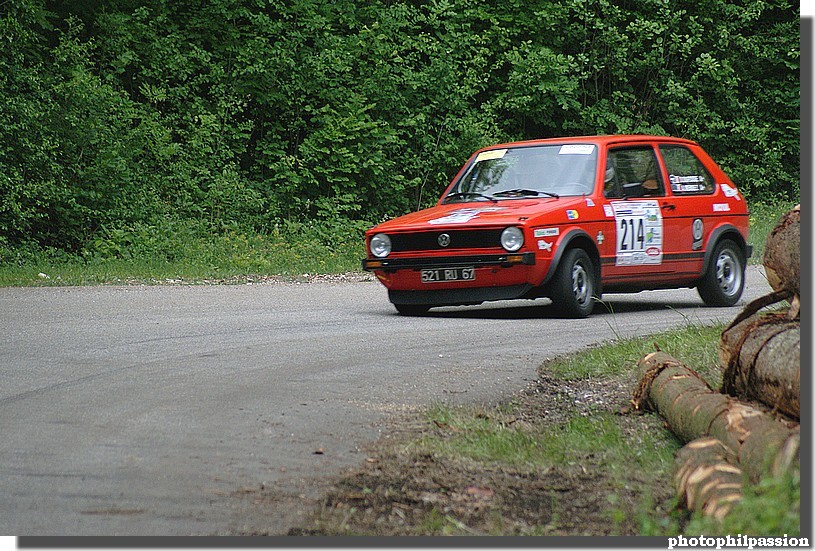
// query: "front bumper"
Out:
[393,264]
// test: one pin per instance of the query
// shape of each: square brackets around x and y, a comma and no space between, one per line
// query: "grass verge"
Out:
[228,258]
[186,252]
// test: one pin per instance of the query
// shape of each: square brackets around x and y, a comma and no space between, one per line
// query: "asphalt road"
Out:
[197,410]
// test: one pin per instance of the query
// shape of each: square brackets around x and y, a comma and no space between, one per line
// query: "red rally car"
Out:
[569,219]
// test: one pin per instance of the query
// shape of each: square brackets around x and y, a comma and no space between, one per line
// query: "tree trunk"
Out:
[782,253]
[762,359]
[693,410]
[706,478]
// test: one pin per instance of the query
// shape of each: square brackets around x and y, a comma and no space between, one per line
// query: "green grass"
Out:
[489,437]
[698,345]
[195,259]
[486,437]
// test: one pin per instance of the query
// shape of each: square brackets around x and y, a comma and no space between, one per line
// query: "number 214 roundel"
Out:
[639,232]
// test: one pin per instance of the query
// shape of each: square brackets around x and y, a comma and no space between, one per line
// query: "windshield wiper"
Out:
[463,194]
[525,192]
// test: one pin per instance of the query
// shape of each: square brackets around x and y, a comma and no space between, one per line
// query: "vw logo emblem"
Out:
[444,240]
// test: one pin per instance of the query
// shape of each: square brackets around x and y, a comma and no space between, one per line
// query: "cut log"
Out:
[762,360]
[782,253]
[692,410]
[706,477]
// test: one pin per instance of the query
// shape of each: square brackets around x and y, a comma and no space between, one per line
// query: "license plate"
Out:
[448,274]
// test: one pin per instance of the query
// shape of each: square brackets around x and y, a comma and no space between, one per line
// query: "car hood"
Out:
[483,214]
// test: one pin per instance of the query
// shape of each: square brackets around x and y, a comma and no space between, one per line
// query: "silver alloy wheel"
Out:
[728,273]
[581,285]
[723,281]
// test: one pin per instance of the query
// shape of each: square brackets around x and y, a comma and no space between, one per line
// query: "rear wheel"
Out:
[723,281]
[574,286]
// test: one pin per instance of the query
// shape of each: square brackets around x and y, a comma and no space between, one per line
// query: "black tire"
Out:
[574,286]
[723,282]
[412,309]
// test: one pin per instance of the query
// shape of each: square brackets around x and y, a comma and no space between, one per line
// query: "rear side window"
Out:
[686,173]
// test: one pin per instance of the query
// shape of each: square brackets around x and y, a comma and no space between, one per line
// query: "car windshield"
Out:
[524,172]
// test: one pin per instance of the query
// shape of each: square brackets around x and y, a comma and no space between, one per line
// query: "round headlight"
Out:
[380,245]
[512,239]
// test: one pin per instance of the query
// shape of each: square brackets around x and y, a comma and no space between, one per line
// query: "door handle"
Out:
[669,206]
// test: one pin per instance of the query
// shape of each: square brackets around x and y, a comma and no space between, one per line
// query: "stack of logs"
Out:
[749,429]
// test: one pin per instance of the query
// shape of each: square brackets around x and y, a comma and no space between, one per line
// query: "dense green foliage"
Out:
[125,123]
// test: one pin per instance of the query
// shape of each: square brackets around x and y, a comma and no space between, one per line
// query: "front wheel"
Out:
[574,286]
[723,281]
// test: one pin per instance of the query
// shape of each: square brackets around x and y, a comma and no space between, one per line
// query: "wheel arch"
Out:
[726,231]
[575,238]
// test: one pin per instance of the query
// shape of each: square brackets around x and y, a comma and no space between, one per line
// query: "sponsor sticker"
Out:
[577,149]
[572,214]
[721,207]
[608,210]
[545,246]
[686,179]
[687,188]
[729,191]
[687,184]
[589,202]
[547,232]
[489,155]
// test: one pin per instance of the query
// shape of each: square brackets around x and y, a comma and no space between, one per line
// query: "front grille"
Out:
[459,239]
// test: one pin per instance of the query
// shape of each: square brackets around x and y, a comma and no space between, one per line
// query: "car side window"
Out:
[633,172]
[686,173]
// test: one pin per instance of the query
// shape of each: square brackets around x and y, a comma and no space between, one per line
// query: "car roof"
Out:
[609,139]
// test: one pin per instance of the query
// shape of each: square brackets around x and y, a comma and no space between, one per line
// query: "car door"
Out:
[634,189]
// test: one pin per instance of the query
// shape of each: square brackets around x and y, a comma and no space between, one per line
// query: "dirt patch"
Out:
[402,490]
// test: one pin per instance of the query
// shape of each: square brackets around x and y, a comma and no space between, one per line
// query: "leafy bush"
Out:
[166,241]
